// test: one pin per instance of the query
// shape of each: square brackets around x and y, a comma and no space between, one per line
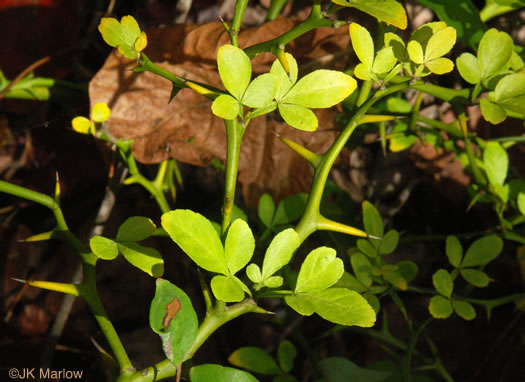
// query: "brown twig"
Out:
[24,73]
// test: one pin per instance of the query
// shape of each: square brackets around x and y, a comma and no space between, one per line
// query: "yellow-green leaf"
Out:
[225,106]
[141,43]
[415,52]
[389,11]
[440,65]
[321,89]
[235,69]
[82,125]
[100,112]
[298,116]
[362,43]
[363,72]
[440,43]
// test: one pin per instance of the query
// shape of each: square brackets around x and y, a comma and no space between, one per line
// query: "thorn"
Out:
[19,280]
[373,237]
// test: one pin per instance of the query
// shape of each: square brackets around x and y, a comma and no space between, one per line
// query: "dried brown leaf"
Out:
[186,129]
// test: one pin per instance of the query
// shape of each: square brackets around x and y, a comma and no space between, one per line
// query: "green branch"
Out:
[315,20]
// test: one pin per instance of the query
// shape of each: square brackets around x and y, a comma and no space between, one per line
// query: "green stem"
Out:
[364,92]
[90,294]
[234,134]
[153,187]
[316,19]
[240,8]
[87,289]
[276,7]
[478,176]
[312,218]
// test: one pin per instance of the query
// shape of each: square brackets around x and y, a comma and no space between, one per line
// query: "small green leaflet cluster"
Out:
[198,238]
[479,254]
[422,55]
[134,229]
[314,292]
[217,373]
[258,361]
[499,69]
[372,274]
[277,90]
[29,87]
[177,330]
[125,35]
[426,47]
[289,210]
[502,192]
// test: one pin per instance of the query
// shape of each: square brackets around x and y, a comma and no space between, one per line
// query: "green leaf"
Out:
[389,242]
[464,309]
[394,277]
[254,359]
[483,251]
[496,161]
[443,282]
[398,47]
[111,31]
[172,316]
[122,35]
[454,251]
[290,209]
[235,69]
[521,202]
[254,273]
[261,91]
[217,373]
[239,246]
[362,44]
[338,305]
[366,247]
[440,65]
[266,209]
[227,289]
[261,111]
[349,281]
[440,43]
[384,61]
[440,307]
[475,277]
[298,116]
[495,50]
[273,282]
[337,369]
[408,270]
[285,81]
[510,92]
[321,89]
[225,107]
[492,112]
[286,353]
[361,267]
[415,52]
[462,15]
[279,252]
[363,72]
[135,228]
[146,259]
[197,238]
[320,270]
[389,11]
[372,220]
[103,248]
[469,68]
